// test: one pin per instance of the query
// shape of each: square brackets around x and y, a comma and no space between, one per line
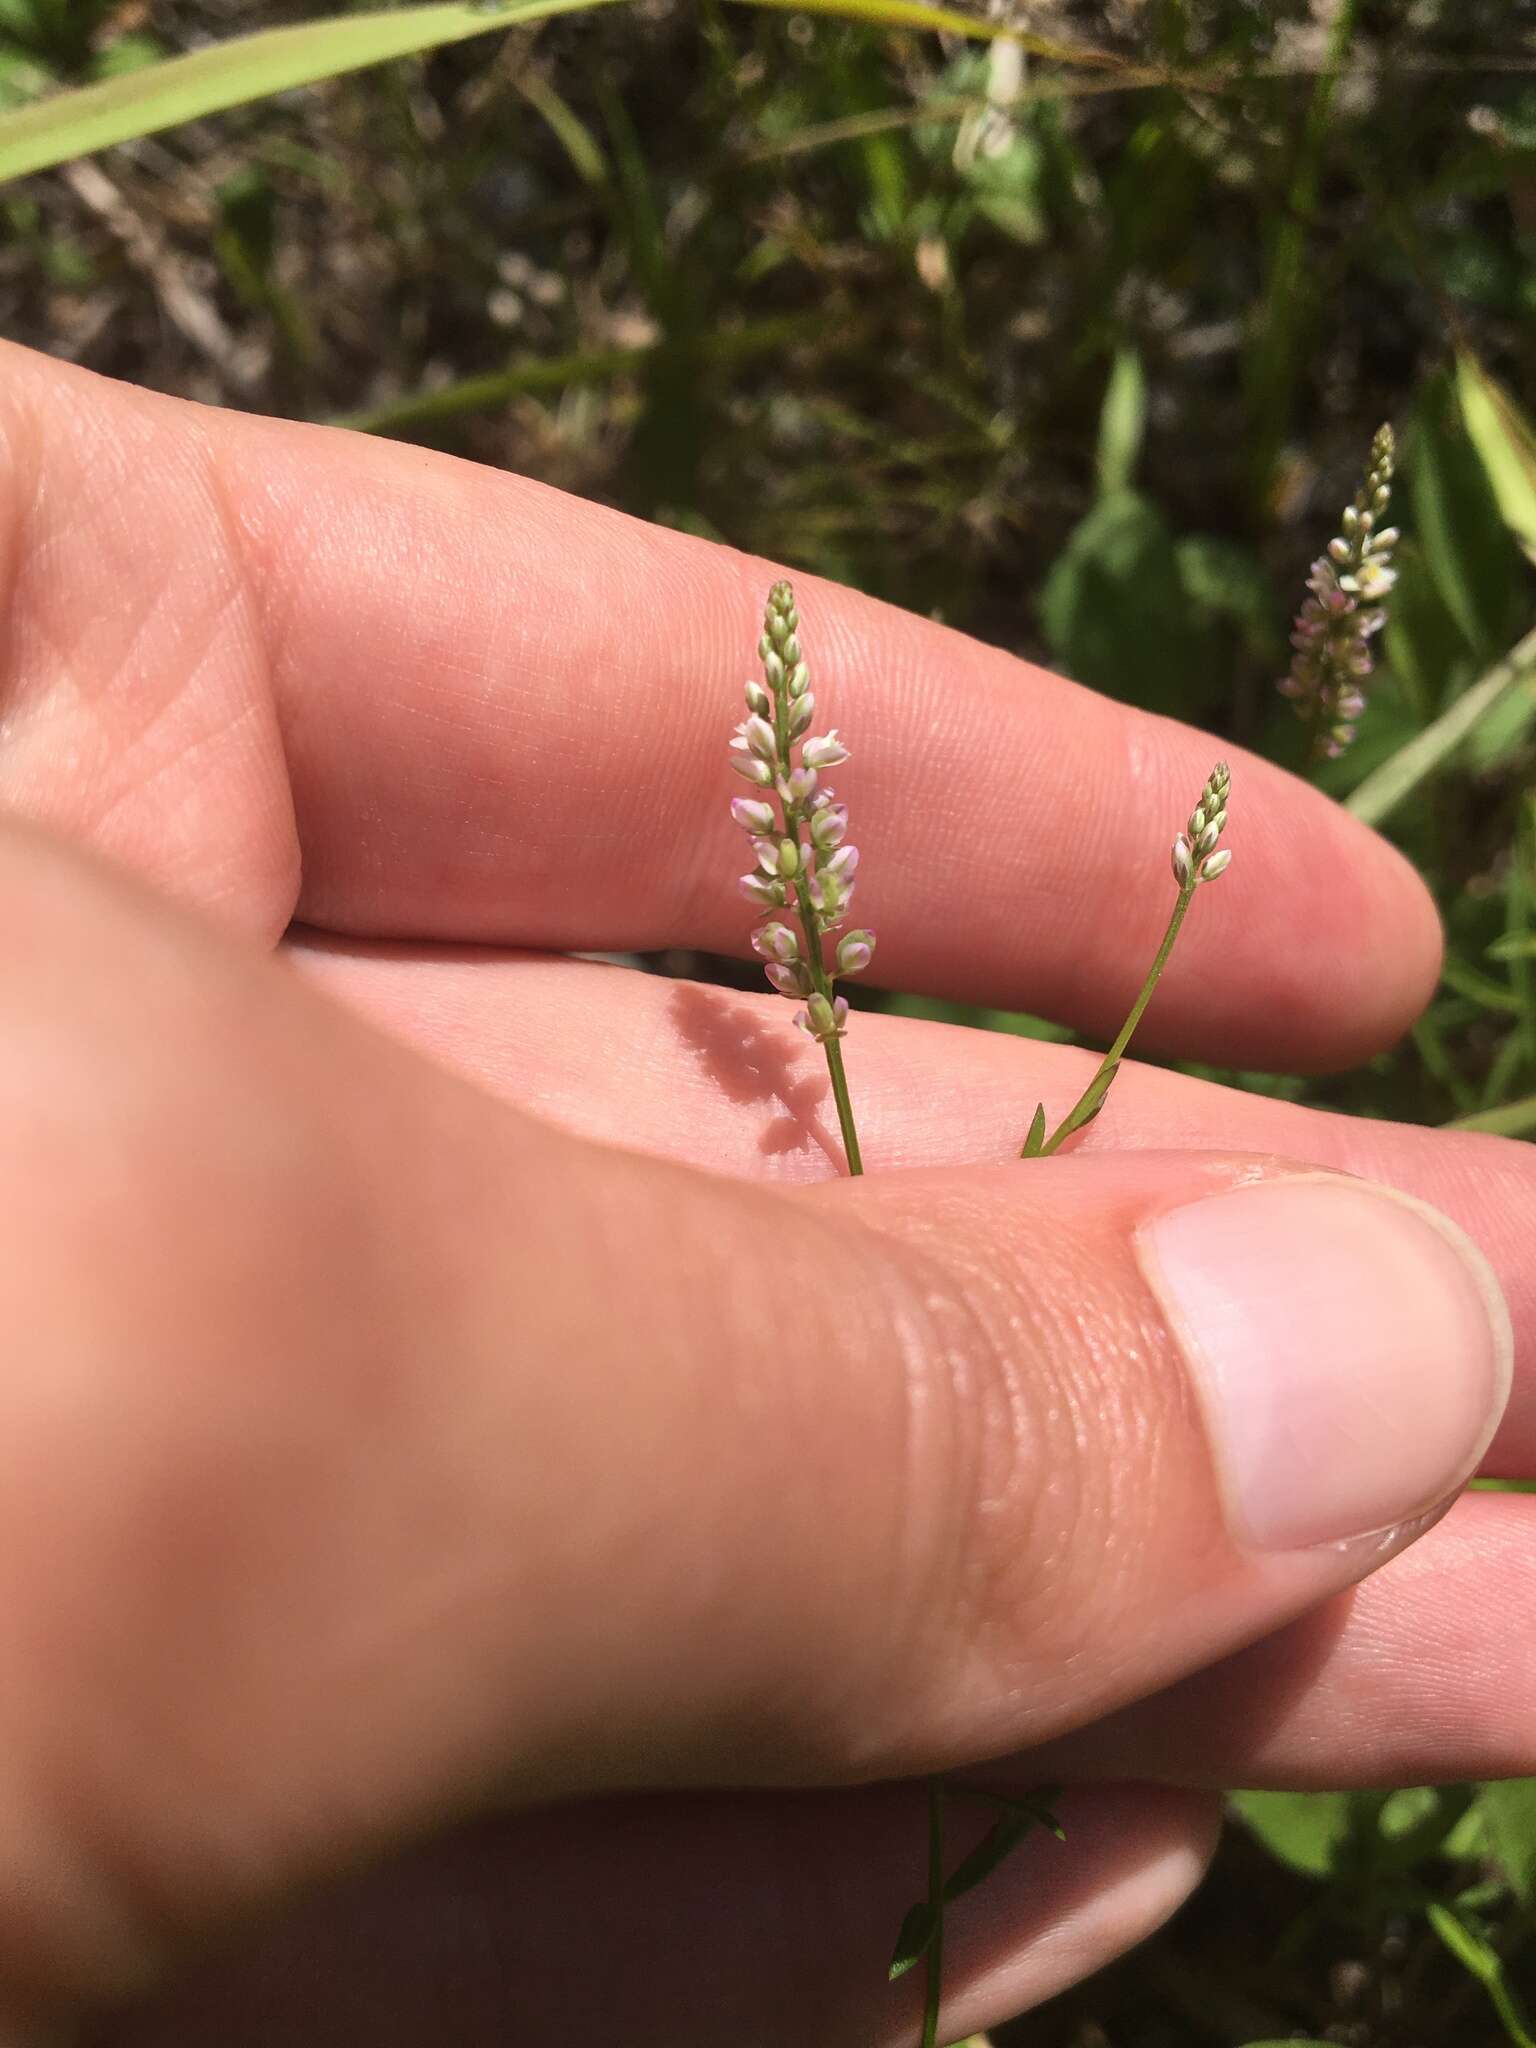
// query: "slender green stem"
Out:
[811,939]
[935,1975]
[823,983]
[844,1106]
[1088,1102]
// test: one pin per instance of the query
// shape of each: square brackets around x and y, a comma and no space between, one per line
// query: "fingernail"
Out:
[1349,1346]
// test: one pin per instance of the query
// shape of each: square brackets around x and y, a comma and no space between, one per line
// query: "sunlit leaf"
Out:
[1306,1830]
[1505,442]
[1509,1813]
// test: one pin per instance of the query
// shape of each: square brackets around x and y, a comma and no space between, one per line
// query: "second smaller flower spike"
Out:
[1343,611]
[1195,855]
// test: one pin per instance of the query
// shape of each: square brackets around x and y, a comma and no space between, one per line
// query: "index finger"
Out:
[408,697]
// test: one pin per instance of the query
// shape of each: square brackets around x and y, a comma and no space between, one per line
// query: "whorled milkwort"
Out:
[1343,612]
[804,863]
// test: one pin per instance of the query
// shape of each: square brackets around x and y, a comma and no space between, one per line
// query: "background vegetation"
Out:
[1083,356]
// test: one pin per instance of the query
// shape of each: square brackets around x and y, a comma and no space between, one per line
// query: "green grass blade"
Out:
[1508,1120]
[1398,777]
[231,74]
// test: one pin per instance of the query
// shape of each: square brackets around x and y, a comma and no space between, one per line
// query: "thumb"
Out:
[398,1451]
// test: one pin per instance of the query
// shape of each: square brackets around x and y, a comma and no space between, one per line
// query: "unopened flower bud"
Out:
[842,863]
[760,738]
[823,1019]
[789,981]
[759,889]
[776,941]
[855,951]
[1182,862]
[753,769]
[801,711]
[1216,864]
[799,679]
[829,824]
[759,701]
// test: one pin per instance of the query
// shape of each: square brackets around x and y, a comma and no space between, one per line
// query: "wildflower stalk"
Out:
[799,835]
[1196,859]
[1343,612]
[933,1990]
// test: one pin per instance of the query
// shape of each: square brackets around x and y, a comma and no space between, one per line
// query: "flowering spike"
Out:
[799,838]
[1341,611]
[1195,858]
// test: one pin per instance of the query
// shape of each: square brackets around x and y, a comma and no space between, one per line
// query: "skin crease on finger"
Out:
[276,667]
[287,1556]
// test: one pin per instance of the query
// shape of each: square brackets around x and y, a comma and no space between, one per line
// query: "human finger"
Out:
[691,1920]
[403,1452]
[719,1079]
[281,667]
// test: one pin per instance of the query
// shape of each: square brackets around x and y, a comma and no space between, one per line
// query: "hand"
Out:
[480,1488]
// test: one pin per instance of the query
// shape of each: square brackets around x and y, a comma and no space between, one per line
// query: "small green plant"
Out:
[806,866]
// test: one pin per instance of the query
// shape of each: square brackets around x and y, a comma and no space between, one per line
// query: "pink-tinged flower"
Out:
[855,950]
[1333,630]
[752,815]
[826,752]
[776,941]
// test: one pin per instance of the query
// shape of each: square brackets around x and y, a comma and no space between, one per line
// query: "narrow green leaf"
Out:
[1396,779]
[1036,1806]
[1505,442]
[231,74]
[1122,421]
[1458,523]
[568,128]
[917,1931]
[1036,1136]
[1514,946]
[999,1842]
[1486,1965]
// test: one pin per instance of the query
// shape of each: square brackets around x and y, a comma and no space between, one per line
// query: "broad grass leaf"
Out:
[1305,1830]
[1506,445]
[1508,1813]
[1456,518]
[1114,606]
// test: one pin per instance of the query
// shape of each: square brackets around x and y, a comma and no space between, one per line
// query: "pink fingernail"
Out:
[1349,1346]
